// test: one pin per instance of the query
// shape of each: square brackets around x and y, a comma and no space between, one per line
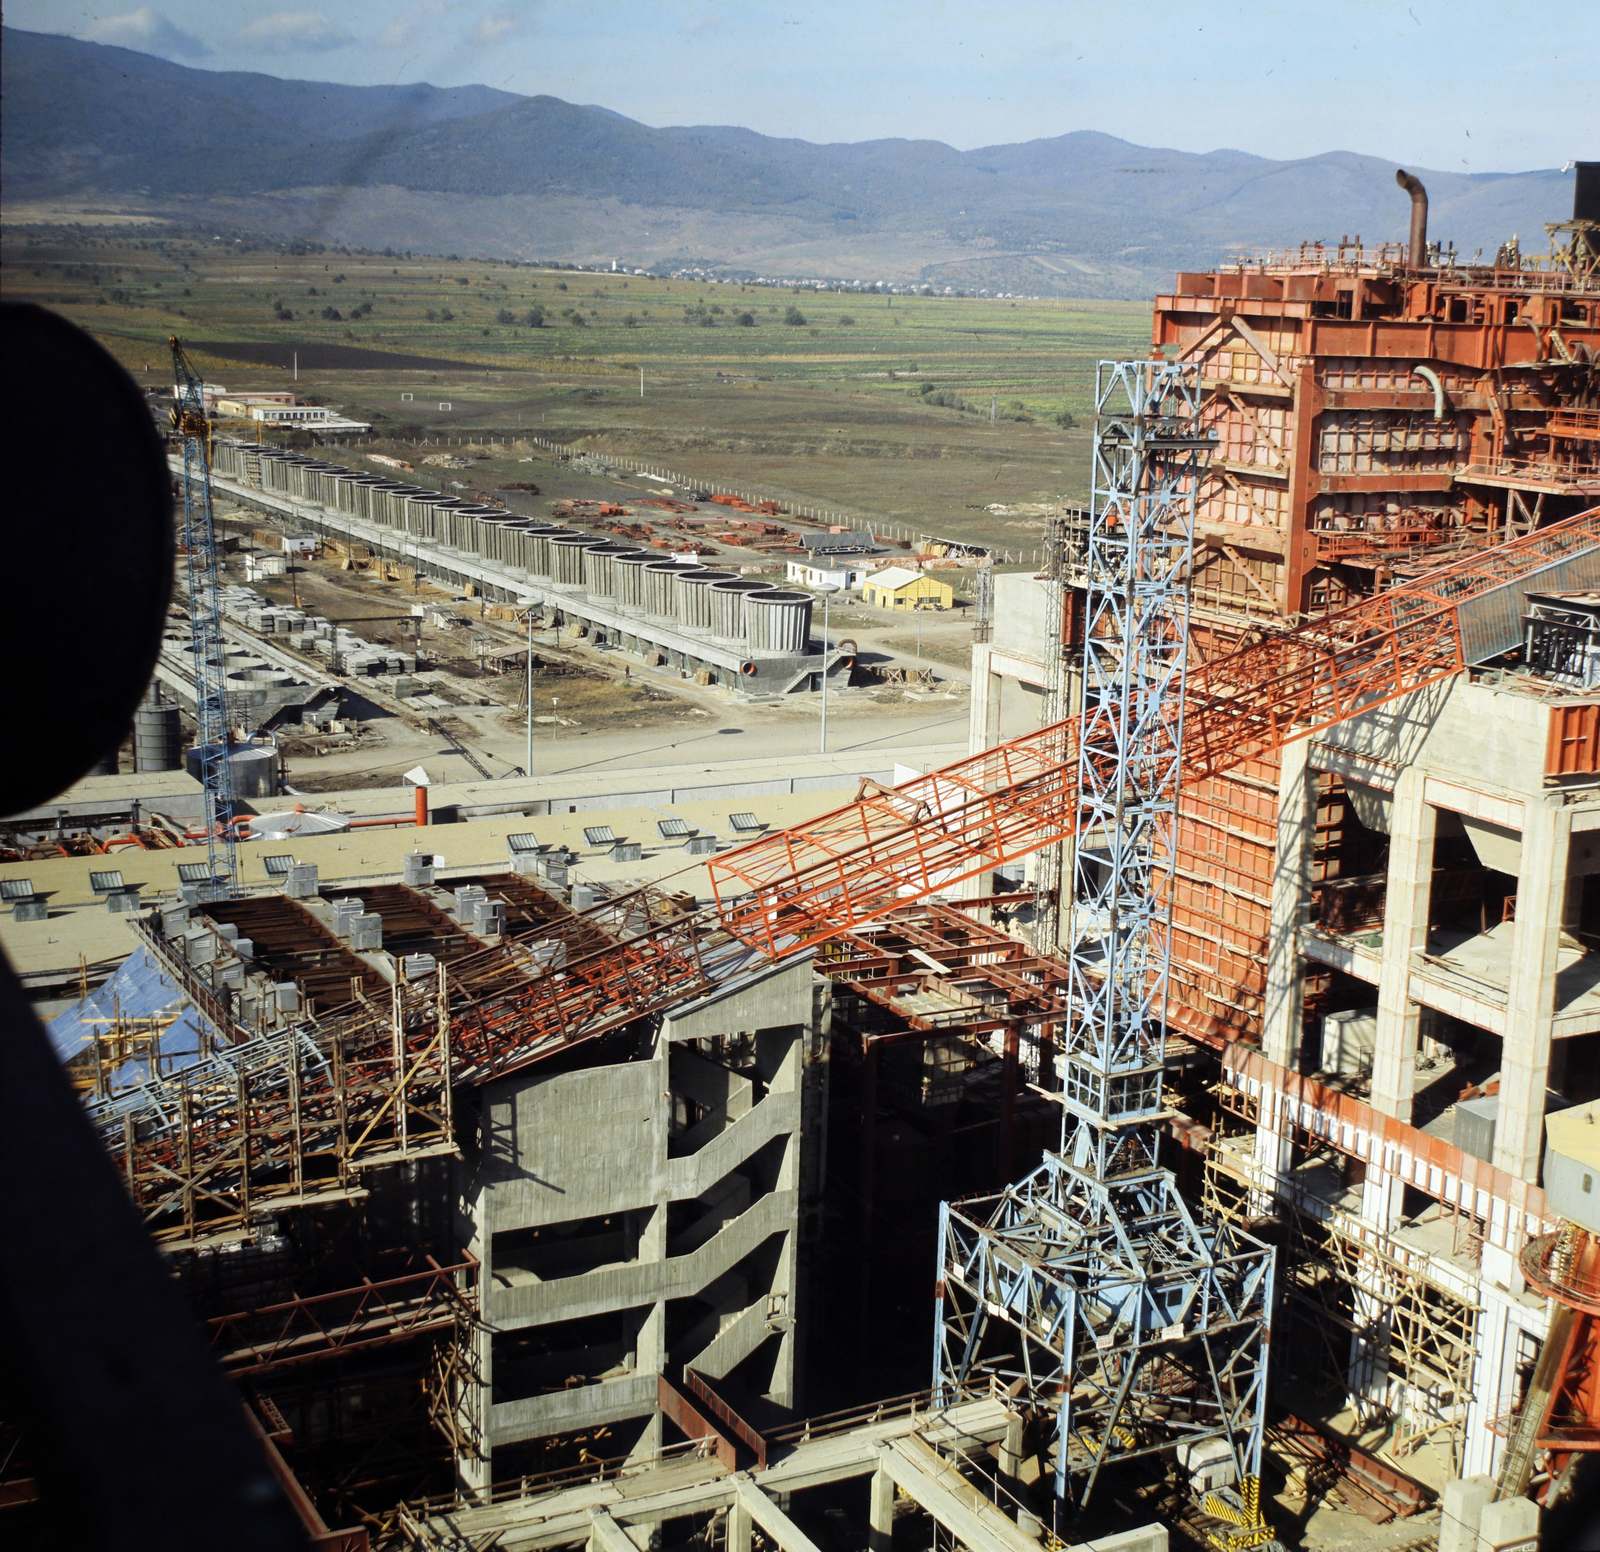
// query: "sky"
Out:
[1452,85]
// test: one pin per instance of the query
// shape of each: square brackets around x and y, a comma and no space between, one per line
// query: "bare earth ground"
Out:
[829,411]
[610,715]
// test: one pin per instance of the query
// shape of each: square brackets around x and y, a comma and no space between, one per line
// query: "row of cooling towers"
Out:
[754,618]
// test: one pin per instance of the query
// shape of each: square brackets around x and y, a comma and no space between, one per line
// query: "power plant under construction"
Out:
[1139,1131]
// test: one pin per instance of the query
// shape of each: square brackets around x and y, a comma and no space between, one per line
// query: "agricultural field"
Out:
[923,412]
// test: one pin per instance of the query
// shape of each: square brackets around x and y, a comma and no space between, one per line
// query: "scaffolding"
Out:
[1090,1288]
[1357,1301]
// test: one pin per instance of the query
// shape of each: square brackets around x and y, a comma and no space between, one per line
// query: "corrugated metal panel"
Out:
[1491,623]
[1574,747]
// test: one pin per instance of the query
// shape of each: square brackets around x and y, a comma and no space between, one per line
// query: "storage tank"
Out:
[777,624]
[600,570]
[566,558]
[661,589]
[253,767]
[727,609]
[296,825]
[537,547]
[694,597]
[490,523]
[157,739]
[250,685]
[628,579]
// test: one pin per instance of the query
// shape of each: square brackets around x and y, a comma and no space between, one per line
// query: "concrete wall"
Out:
[1019,614]
[609,1141]
[1491,736]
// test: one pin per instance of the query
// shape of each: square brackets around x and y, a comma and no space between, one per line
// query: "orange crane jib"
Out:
[380,1090]
[800,886]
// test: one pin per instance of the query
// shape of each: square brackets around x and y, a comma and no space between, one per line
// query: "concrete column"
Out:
[983,728]
[738,1527]
[1291,888]
[1284,1015]
[1011,1448]
[1508,1522]
[880,1513]
[1462,1505]
[1368,1375]
[983,732]
[1531,995]
[1405,931]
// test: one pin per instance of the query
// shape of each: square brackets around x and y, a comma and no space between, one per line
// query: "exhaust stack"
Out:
[1418,257]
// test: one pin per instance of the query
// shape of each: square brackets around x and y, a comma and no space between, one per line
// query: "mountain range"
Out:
[472,170]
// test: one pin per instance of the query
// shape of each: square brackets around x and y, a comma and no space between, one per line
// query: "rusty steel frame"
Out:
[307,1328]
[261,1124]
[271,1122]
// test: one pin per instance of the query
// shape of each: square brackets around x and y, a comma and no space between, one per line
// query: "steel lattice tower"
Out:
[205,621]
[1132,1324]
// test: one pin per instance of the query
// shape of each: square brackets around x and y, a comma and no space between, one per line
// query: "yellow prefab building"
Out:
[899,587]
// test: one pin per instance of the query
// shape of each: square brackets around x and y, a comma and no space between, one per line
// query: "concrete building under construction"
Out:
[524,1198]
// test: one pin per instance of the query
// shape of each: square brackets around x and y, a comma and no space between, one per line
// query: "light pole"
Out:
[527,690]
[827,593]
[555,720]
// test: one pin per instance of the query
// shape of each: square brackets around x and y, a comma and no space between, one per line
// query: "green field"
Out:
[877,406]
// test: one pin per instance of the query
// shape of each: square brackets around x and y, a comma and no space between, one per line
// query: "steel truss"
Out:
[283,1120]
[1123,1318]
[1137,1327]
[274,1121]
[202,578]
[801,886]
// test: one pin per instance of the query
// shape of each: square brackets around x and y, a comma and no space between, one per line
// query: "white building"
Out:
[808,573]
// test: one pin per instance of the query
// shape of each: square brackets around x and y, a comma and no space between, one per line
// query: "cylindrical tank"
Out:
[627,577]
[661,589]
[538,547]
[157,739]
[250,685]
[777,624]
[566,558]
[253,768]
[694,597]
[599,568]
[727,608]
[297,825]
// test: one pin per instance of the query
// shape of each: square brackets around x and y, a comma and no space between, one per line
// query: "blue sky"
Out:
[1460,85]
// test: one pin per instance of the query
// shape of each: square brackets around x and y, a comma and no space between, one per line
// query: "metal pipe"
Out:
[1428,375]
[1418,257]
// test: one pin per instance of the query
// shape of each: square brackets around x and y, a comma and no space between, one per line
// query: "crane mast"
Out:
[1089,1287]
[203,580]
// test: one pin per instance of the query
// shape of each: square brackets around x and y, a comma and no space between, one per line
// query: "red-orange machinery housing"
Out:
[1376,411]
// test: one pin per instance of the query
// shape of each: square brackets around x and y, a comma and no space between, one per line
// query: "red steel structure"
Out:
[1562,1408]
[268,1126]
[1371,405]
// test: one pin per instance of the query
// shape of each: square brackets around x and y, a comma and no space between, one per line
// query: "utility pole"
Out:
[641,382]
[555,720]
[527,690]
[827,593]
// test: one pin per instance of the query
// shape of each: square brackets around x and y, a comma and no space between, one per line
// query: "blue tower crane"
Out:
[203,580]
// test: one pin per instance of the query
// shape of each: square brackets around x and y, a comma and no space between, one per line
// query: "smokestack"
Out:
[1419,216]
